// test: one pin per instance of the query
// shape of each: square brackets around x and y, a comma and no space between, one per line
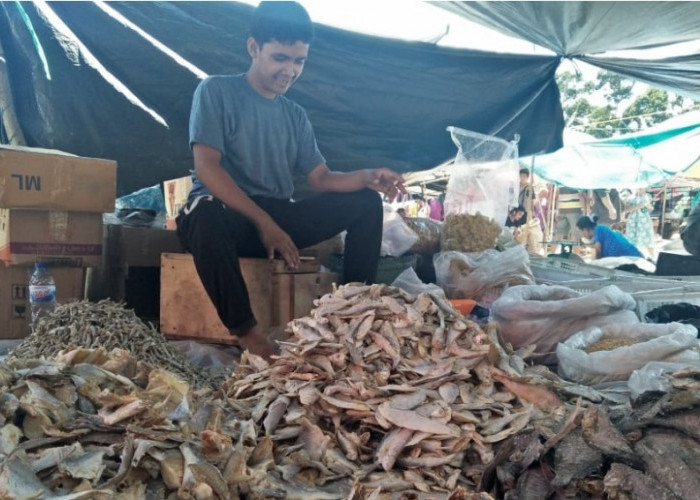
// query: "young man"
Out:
[248,140]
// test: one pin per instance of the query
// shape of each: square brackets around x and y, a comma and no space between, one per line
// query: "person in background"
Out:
[606,242]
[423,209]
[248,140]
[640,228]
[569,207]
[606,204]
[516,217]
[435,209]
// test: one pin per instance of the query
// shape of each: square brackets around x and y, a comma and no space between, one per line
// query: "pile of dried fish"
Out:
[649,452]
[387,392]
[109,325]
[89,424]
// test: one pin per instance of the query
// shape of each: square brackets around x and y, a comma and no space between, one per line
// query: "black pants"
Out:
[217,236]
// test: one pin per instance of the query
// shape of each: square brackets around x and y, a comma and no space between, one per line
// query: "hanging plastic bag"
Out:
[484,177]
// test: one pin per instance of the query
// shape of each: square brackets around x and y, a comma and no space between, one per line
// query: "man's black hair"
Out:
[525,171]
[285,22]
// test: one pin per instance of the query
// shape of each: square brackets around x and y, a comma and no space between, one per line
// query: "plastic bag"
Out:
[484,178]
[544,315]
[672,342]
[397,237]
[408,280]
[481,276]
[428,231]
[653,377]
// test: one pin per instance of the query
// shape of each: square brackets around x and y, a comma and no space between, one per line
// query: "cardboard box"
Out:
[47,179]
[277,295]
[15,314]
[70,239]
[176,192]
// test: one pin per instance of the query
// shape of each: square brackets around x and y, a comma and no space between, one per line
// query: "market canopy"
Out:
[589,31]
[115,79]
[641,159]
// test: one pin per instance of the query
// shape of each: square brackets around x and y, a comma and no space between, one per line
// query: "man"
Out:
[605,203]
[570,205]
[247,141]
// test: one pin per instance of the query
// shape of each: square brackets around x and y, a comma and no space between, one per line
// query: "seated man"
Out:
[248,140]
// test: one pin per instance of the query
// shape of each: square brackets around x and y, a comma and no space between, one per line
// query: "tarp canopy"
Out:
[115,80]
[641,159]
[588,30]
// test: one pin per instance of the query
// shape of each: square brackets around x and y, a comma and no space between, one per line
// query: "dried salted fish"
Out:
[107,325]
[18,481]
[10,436]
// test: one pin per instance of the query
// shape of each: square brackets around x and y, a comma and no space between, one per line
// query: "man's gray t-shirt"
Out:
[263,142]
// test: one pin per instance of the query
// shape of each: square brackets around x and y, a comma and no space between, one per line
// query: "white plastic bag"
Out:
[670,342]
[408,280]
[544,315]
[654,377]
[481,276]
[484,177]
[397,236]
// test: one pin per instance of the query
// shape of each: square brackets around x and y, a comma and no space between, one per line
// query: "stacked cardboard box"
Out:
[51,206]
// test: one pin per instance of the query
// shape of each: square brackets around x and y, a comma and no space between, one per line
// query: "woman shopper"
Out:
[640,228]
[606,242]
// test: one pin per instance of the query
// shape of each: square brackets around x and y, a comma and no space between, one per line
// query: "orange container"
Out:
[464,306]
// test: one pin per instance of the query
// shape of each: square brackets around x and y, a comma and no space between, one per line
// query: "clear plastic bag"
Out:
[484,178]
[428,232]
[482,276]
[408,280]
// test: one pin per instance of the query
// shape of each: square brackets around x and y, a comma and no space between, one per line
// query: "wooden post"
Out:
[662,219]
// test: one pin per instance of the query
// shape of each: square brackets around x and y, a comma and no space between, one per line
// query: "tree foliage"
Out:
[613,105]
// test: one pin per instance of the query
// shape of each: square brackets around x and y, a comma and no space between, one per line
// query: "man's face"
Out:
[275,66]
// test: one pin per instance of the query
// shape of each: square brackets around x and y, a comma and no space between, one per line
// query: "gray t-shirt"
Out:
[263,142]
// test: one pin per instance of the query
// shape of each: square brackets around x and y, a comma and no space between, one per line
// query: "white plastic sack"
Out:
[481,276]
[544,315]
[670,342]
[397,236]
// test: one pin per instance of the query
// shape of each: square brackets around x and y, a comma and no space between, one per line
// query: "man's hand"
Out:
[274,239]
[385,181]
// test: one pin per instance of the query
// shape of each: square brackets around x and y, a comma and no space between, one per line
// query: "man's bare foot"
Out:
[258,343]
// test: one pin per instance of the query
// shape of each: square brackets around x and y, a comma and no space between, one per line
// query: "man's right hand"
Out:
[274,239]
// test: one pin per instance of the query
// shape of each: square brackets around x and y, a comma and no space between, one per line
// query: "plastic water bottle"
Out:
[42,292]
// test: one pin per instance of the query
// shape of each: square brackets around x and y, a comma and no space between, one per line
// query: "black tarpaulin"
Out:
[586,30]
[115,80]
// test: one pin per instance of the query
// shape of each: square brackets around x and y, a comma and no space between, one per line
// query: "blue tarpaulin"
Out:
[639,159]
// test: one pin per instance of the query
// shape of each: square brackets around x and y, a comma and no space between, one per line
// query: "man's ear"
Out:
[253,47]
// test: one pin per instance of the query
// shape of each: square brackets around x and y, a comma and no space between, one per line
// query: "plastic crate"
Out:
[557,269]
[648,301]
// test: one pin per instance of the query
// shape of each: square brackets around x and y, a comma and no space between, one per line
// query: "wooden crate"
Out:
[277,293]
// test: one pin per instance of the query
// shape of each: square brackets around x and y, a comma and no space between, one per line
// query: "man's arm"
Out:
[382,180]
[607,202]
[207,166]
